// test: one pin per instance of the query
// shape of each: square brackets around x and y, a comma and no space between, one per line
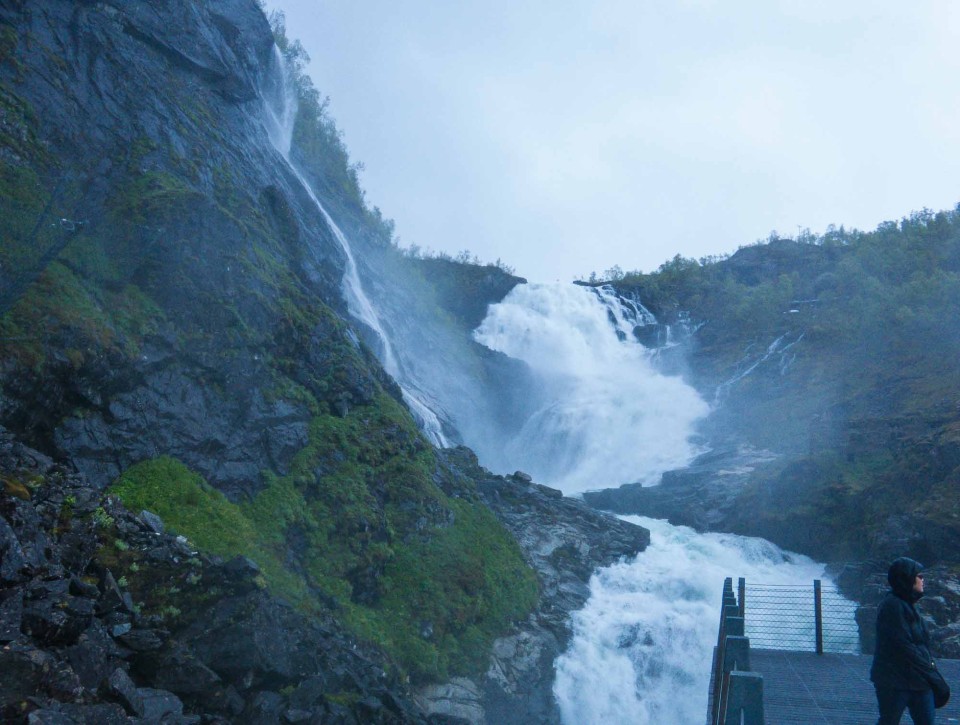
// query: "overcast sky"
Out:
[572,135]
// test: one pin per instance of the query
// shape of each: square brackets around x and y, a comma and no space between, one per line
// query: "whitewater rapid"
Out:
[642,646]
[604,415]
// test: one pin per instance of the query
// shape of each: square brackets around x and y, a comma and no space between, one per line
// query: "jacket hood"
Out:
[901,575]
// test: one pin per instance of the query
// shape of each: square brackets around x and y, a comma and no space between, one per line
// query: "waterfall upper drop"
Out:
[603,414]
[280,112]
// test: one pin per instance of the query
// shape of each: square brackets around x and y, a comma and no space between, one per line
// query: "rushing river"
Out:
[642,646]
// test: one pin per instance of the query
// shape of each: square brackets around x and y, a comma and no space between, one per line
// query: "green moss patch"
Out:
[192,507]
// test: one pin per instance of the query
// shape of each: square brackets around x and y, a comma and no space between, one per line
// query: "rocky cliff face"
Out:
[105,617]
[167,264]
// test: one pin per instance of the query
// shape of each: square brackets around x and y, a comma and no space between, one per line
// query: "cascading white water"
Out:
[642,646]
[606,416]
[280,115]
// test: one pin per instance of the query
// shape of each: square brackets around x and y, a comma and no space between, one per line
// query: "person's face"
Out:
[918,584]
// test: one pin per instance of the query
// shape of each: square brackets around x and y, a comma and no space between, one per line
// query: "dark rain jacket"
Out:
[902,653]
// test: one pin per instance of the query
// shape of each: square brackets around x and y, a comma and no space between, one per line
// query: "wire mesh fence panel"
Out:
[785,617]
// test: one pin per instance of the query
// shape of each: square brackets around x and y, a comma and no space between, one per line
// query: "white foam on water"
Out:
[606,415]
[643,644]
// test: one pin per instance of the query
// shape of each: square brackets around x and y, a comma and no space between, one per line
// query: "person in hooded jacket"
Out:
[902,654]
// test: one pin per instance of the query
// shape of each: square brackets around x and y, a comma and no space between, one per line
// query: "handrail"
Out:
[781,616]
[737,695]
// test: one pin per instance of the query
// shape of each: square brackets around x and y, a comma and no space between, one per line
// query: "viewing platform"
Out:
[793,677]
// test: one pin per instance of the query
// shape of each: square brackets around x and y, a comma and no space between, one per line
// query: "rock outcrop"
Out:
[171,294]
[565,542]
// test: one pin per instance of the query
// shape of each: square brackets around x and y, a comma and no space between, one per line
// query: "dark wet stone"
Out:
[94,656]
[11,614]
[309,692]
[142,640]
[118,630]
[265,708]
[158,704]
[80,588]
[112,597]
[154,522]
[242,567]
[57,621]
[121,689]
[12,560]
[297,716]
[179,671]
[256,636]
[62,683]
[23,669]
[69,714]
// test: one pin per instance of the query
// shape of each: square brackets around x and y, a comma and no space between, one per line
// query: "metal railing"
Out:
[770,616]
[800,617]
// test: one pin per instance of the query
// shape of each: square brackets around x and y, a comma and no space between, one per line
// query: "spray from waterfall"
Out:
[280,112]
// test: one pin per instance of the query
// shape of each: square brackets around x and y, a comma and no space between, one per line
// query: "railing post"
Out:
[733,626]
[818,614]
[728,608]
[736,656]
[744,699]
[742,594]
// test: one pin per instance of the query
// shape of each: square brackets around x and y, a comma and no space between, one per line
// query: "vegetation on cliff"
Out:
[360,524]
[889,290]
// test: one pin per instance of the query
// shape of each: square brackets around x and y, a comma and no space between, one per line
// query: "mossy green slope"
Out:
[360,524]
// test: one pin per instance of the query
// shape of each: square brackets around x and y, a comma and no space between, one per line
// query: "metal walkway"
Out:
[804,688]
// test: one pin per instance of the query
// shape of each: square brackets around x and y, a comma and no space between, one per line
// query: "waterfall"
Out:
[751,362]
[604,415]
[280,112]
[642,646]
[597,414]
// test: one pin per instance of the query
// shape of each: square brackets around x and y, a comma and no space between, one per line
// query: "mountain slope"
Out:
[176,339]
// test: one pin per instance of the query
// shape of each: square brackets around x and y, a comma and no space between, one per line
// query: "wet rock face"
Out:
[204,406]
[704,495]
[144,121]
[206,643]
